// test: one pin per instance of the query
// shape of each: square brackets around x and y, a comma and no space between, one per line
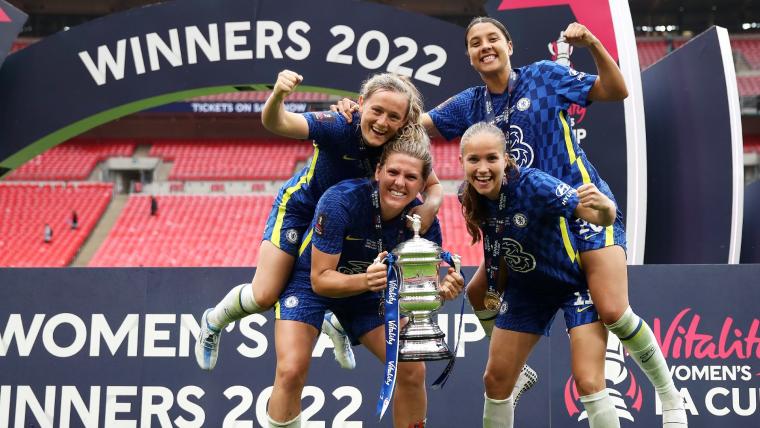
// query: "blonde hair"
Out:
[402,85]
[414,143]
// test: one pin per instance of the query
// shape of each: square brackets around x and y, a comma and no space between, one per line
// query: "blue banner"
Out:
[113,347]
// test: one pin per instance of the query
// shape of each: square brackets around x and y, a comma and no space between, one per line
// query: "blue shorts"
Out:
[286,225]
[589,237]
[532,312]
[357,314]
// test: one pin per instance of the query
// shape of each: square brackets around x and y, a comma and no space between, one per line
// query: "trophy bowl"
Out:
[420,339]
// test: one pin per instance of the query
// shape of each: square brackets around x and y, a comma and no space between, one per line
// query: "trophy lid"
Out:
[417,249]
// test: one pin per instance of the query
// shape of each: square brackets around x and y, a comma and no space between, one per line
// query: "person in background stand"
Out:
[47,234]
[153,205]
[74,220]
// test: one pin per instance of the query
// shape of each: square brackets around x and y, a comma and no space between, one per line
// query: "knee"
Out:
[588,385]
[411,375]
[611,312]
[495,382]
[291,376]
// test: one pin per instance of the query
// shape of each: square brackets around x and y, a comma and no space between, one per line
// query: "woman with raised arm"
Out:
[389,106]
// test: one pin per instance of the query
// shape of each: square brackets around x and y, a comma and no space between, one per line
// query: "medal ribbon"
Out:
[390,302]
[454,262]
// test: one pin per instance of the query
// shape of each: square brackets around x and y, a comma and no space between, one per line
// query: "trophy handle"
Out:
[457,263]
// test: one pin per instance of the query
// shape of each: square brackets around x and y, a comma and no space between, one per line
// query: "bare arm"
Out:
[476,288]
[433,199]
[610,85]
[327,281]
[275,118]
[594,206]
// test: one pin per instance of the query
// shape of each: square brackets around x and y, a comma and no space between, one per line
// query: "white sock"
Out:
[237,304]
[600,410]
[637,337]
[498,413]
[487,318]
[293,423]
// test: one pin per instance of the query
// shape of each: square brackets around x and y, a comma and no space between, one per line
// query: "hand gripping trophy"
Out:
[413,290]
[418,260]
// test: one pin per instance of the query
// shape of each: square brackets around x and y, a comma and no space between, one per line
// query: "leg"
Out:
[506,356]
[294,341]
[607,279]
[410,397]
[588,345]
[273,270]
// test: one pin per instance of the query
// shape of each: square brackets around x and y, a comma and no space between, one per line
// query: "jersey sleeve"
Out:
[331,220]
[552,196]
[450,117]
[328,128]
[571,85]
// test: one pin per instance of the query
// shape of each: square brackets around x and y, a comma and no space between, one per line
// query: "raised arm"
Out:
[275,118]
[594,206]
[327,281]
[610,85]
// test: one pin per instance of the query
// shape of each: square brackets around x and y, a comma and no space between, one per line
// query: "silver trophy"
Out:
[418,259]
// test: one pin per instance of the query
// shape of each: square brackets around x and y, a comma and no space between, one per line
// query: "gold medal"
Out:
[492,300]
[381,309]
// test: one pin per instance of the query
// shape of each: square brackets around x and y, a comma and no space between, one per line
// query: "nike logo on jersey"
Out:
[579,310]
[348,158]
[353,238]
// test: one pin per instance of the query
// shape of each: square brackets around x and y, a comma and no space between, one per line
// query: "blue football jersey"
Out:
[521,230]
[344,222]
[339,154]
[540,135]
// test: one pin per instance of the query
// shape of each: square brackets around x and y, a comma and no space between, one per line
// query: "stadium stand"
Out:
[446,159]
[261,96]
[748,85]
[189,230]
[650,51]
[455,237]
[72,160]
[26,208]
[232,160]
[749,48]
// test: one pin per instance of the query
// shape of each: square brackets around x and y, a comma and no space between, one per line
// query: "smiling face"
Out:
[488,49]
[484,159]
[399,180]
[382,114]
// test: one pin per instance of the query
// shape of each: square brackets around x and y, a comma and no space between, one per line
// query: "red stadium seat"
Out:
[26,208]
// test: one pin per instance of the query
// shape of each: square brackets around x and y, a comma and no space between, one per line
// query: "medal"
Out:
[492,300]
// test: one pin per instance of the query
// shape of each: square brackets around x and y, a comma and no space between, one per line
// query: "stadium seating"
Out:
[26,208]
[261,96]
[189,230]
[455,237]
[650,51]
[748,85]
[446,159]
[749,48]
[232,160]
[72,160]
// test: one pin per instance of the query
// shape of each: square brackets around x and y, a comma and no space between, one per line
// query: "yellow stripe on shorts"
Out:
[277,310]
[609,236]
[571,253]
[288,193]
[571,151]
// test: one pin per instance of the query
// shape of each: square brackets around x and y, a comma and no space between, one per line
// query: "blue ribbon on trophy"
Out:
[390,304]
[454,262]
